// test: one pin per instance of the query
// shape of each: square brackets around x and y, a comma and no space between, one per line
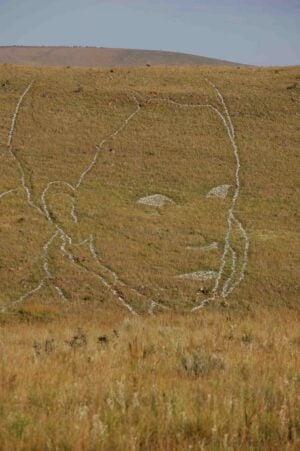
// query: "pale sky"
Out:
[262,32]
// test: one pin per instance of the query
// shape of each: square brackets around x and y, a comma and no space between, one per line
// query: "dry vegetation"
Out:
[181,153]
[80,372]
[214,381]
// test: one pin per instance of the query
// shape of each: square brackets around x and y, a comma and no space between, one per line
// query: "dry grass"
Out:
[214,380]
[179,153]
[208,382]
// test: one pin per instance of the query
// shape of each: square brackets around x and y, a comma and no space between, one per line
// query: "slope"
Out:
[81,150]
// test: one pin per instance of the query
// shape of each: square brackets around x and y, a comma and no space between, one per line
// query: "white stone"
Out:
[155,200]
[219,191]
[210,247]
[199,275]
[207,247]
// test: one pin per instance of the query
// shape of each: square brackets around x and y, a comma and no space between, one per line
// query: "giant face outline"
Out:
[222,288]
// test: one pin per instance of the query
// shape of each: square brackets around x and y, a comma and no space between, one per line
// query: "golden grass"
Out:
[180,153]
[215,381]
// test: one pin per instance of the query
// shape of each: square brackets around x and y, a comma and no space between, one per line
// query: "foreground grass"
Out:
[212,381]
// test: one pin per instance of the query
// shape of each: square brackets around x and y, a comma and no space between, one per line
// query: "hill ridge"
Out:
[99,56]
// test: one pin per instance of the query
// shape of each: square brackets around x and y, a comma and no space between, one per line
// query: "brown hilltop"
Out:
[98,57]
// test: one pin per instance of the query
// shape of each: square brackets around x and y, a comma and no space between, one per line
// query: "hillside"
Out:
[149,268]
[98,57]
[86,148]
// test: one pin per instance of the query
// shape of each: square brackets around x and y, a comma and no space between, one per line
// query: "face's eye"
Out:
[155,200]
[220,191]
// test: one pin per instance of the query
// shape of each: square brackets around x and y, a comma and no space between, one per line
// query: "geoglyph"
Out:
[222,288]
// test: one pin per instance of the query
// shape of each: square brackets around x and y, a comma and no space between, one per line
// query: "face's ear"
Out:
[59,205]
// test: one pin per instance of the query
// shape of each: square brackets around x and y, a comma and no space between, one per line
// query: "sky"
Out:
[260,32]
